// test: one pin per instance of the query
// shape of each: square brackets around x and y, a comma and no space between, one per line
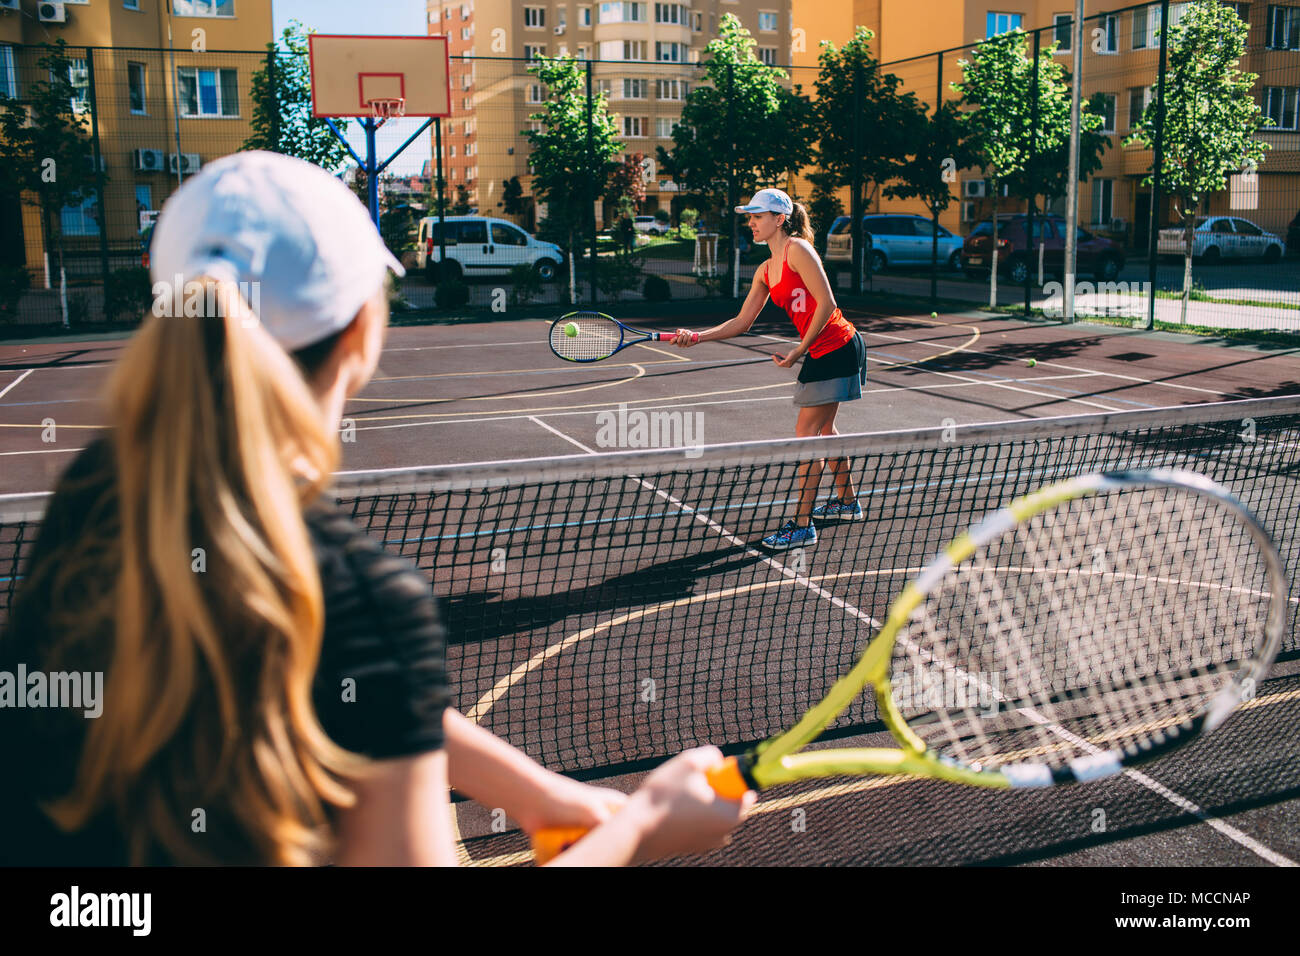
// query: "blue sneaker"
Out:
[836,510]
[791,536]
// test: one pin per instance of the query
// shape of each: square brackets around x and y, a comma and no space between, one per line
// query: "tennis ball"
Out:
[570,330]
[1032,362]
[934,315]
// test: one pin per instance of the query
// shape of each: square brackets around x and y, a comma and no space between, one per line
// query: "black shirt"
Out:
[382,636]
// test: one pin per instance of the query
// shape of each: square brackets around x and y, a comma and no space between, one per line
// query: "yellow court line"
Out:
[519,371]
[965,346]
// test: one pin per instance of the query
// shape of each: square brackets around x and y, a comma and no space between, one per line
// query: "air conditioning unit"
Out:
[559,30]
[189,162]
[51,12]
[1119,224]
[9,5]
[79,76]
[148,160]
[974,188]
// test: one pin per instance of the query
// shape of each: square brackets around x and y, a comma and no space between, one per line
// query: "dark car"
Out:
[1018,257]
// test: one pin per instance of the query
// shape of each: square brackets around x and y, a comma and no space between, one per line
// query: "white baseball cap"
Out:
[286,225]
[769,200]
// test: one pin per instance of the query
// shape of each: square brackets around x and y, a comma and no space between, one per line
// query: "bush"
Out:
[78,310]
[688,219]
[525,285]
[661,215]
[451,295]
[128,291]
[657,289]
[617,274]
[14,283]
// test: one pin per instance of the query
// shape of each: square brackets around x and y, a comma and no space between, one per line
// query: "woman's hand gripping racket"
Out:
[1093,624]
[594,337]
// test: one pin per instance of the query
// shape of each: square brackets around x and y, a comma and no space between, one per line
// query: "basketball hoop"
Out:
[385,108]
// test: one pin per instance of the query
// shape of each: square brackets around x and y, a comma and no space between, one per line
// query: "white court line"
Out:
[14,383]
[468,345]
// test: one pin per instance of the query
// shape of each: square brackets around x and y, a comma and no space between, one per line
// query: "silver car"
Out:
[1223,237]
[895,241]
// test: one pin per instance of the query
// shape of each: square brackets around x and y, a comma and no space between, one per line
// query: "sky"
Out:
[388,17]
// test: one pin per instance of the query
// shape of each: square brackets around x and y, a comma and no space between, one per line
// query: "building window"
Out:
[79,77]
[1243,12]
[633,49]
[670,52]
[533,50]
[203,8]
[1284,28]
[131,4]
[670,13]
[998,23]
[1103,194]
[535,18]
[604,87]
[1107,113]
[135,87]
[465,81]
[1280,106]
[143,201]
[584,51]
[469,149]
[467,104]
[1064,32]
[767,54]
[208,92]
[697,22]
[466,32]
[81,219]
[671,89]
[1109,24]
[621,12]
[1142,28]
[635,127]
[1138,99]
[584,17]
[8,78]
[534,93]
[664,126]
[635,89]
[451,151]
[767,21]
[433,15]
[464,11]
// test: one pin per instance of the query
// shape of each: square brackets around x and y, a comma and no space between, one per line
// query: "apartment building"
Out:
[459,134]
[165,93]
[644,55]
[1120,61]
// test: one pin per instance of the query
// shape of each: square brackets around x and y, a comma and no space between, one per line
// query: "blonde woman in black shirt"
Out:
[224,676]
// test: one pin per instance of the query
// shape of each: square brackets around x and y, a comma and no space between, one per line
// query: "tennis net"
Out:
[606,611]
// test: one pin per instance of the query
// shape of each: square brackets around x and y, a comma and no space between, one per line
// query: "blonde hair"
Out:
[797,224]
[218,445]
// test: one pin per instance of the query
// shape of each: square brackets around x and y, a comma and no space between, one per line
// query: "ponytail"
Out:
[797,224]
[216,611]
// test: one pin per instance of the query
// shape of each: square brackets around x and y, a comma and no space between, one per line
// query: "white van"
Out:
[482,246]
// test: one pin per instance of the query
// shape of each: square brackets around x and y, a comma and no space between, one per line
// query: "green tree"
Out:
[512,197]
[890,123]
[740,123]
[1211,119]
[997,90]
[564,166]
[45,148]
[282,120]
[1049,175]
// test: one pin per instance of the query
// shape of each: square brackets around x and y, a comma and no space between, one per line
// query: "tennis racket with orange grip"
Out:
[1089,626]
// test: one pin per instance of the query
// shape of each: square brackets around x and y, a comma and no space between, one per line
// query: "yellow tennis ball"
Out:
[571,330]
[934,315]
[1033,362]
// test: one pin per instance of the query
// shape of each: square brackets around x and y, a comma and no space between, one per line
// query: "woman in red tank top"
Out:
[834,356]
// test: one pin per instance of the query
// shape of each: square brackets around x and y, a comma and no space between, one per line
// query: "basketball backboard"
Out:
[349,73]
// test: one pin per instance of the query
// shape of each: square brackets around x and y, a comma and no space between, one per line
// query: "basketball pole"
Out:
[368,164]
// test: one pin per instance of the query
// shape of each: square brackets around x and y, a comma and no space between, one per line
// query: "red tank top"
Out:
[791,294]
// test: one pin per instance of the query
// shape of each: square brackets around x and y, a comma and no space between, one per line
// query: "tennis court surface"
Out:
[607,611]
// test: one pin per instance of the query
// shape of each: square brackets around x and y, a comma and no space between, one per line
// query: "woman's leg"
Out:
[840,467]
[811,422]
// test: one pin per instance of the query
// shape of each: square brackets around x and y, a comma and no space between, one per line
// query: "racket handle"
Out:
[669,336]
[726,780]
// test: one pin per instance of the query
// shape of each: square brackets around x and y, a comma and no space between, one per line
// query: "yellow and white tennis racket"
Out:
[1093,624]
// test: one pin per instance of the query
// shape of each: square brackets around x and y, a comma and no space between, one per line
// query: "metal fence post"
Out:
[1158,159]
[855,195]
[733,260]
[97,157]
[274,105]
[442,202]
[1030,173]
[591,184]
[934,209]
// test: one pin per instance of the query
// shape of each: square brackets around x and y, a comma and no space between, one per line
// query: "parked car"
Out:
[894,241]
[1018,257]
[650,224]
[482,246]
[1222,237]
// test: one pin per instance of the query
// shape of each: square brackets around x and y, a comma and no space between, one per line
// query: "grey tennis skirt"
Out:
[832,390]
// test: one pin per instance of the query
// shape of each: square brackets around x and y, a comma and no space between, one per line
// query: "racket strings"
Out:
[598,337]
[1106,623]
